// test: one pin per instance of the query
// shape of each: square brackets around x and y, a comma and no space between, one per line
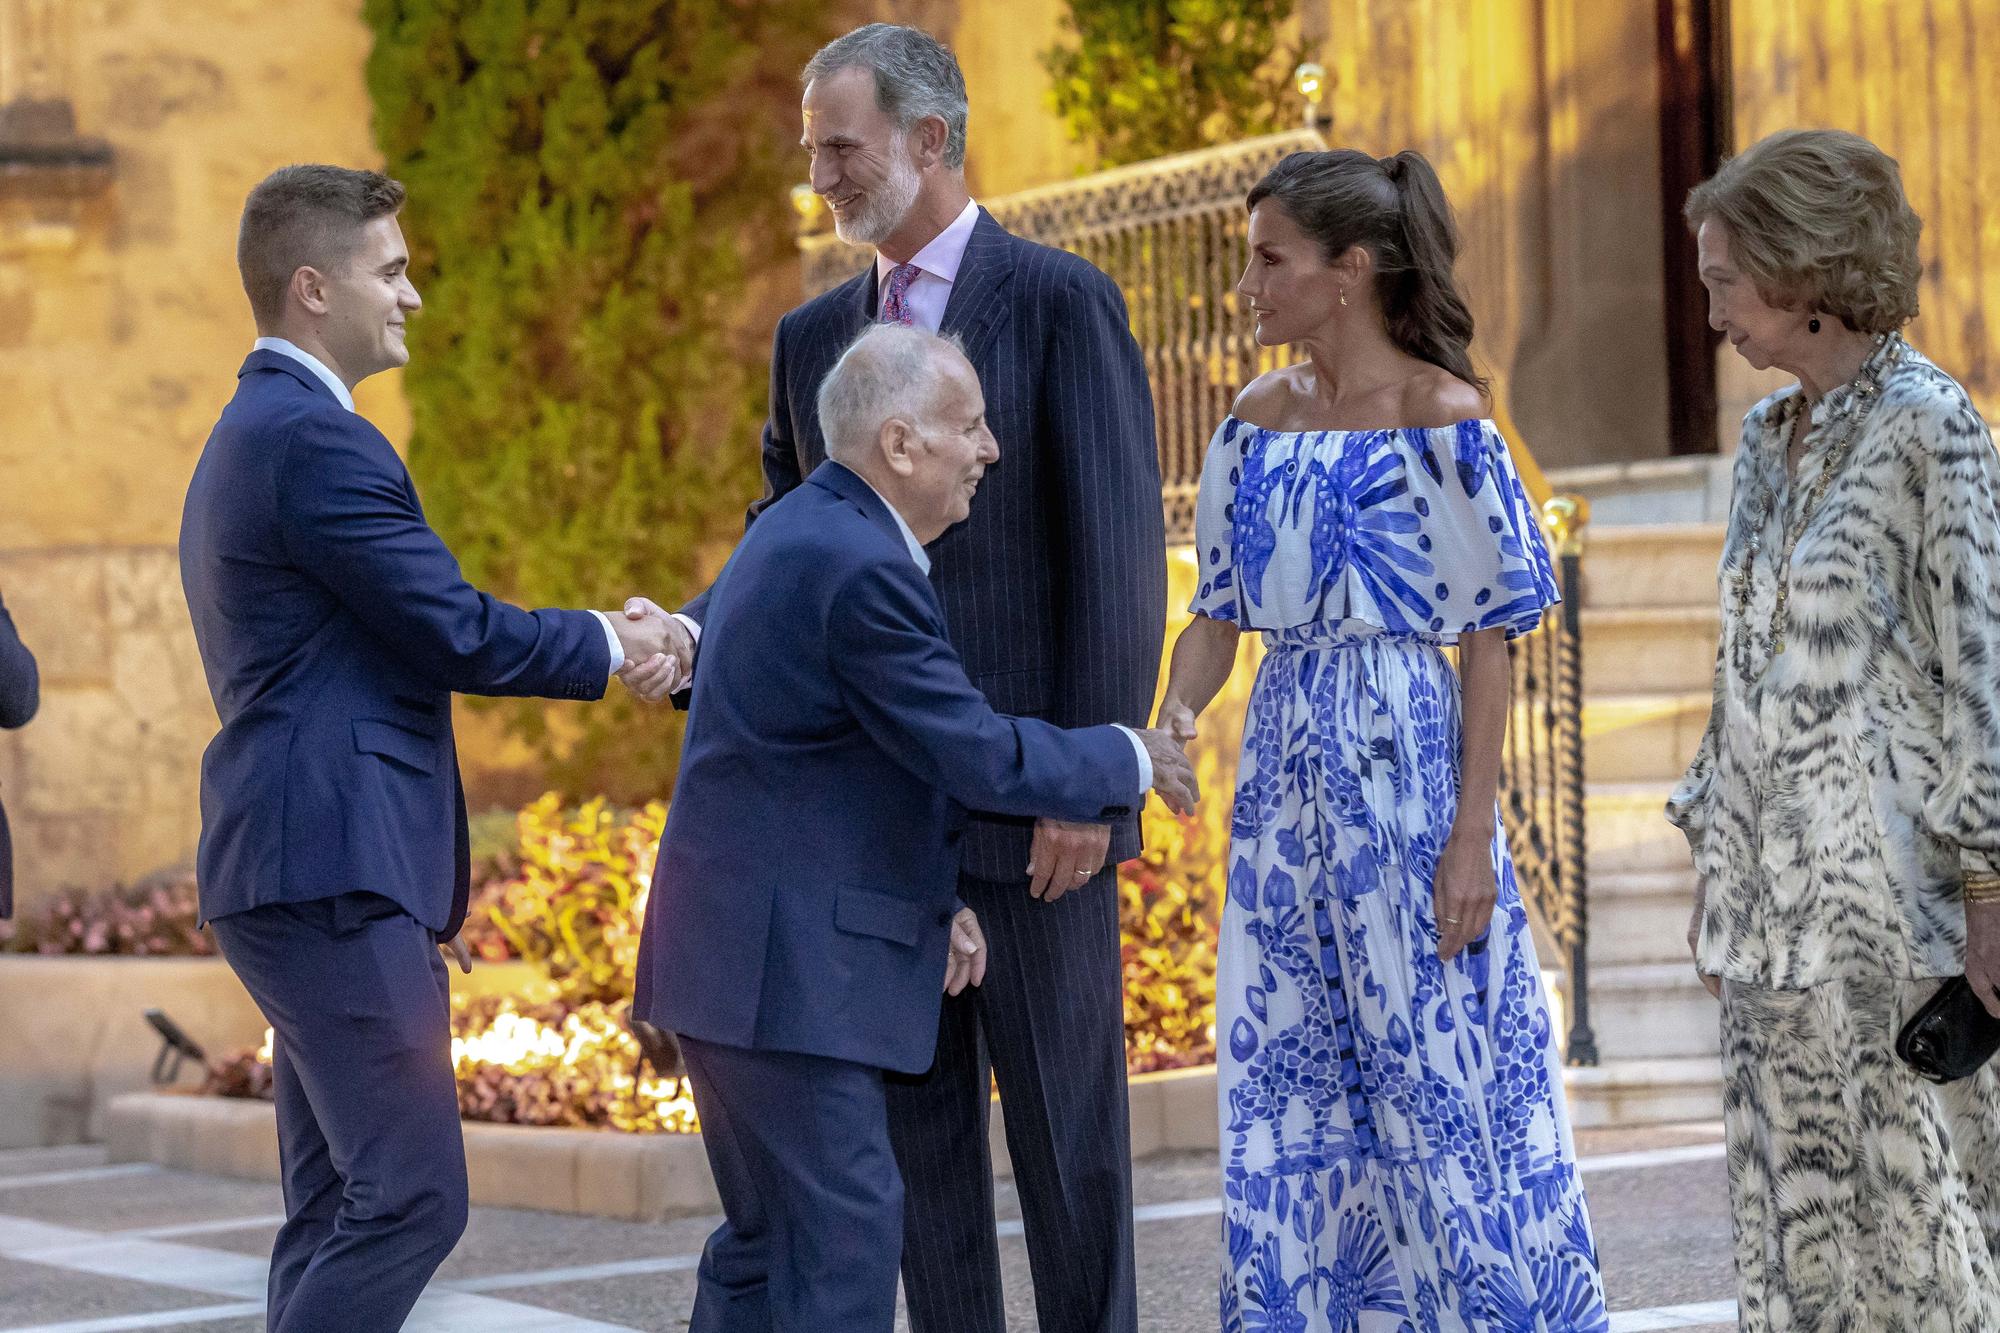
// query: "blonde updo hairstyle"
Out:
[1818,221]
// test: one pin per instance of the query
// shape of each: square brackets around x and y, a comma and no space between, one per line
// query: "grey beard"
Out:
[886,208]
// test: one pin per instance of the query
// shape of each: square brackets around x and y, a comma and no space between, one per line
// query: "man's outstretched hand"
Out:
[659,651]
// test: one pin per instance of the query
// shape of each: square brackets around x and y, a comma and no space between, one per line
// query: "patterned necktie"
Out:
[896,296]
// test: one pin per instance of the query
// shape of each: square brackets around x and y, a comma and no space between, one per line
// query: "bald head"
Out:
[903,408]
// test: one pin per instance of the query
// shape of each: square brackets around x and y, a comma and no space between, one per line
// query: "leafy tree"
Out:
[593,185]
[1145,78]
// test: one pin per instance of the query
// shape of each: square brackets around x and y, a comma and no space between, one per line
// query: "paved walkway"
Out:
[88,1247]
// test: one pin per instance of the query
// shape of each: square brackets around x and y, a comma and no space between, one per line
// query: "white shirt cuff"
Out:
[1145,761]
[693,629]
[611,642]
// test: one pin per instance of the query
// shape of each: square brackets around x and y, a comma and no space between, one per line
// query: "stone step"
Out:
[1666,564]
[1650,492]
[1648,1011]
[1626,829]
[1649,649]
[1640,917]
[1642,737]
[1622,1092]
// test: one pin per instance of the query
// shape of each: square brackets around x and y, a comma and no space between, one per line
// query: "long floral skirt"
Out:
[1866,1200]
[1396,1153]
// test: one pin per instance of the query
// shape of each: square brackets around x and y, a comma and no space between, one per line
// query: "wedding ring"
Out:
[1449,920]
[1083,874]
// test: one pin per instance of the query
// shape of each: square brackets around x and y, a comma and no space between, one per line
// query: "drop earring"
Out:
[1343,296]
[1812,325]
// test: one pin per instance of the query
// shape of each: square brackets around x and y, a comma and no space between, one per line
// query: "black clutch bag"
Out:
[1951,1036]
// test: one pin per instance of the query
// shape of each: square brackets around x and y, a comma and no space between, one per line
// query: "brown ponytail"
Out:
[1396,208]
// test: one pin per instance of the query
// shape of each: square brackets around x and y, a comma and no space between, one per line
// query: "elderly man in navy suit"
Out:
[1054,594]
[807,885]
[20,695]
[334,628]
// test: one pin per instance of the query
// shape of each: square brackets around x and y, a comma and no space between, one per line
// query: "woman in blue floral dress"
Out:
[1396,1154]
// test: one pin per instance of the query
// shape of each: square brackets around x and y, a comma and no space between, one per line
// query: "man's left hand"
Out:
[458,951]
[965,964]
[1065,856]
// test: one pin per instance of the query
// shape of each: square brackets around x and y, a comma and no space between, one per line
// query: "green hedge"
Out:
[1145,78]
[593,184]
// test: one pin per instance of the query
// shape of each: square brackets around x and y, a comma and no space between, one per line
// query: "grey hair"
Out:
[891,370]
[916,76]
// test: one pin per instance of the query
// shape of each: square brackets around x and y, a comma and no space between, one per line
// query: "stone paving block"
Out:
[608,1168]
[674,1179]
[520,1166]
[1187,1108]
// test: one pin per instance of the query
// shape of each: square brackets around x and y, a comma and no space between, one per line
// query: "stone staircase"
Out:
[1649,630]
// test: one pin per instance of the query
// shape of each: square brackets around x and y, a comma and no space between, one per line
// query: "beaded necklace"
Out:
[1867,387]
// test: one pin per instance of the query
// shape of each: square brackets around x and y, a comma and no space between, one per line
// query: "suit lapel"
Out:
[978,309]
[859,303]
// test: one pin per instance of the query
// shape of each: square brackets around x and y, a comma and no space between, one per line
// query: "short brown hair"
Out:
[305,215]
[1817,220]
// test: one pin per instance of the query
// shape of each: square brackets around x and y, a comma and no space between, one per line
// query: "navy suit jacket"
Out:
[807,878]
[1054,590]
[334,626]
[20,694]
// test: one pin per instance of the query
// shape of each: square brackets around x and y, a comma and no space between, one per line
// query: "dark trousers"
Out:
[812,1206]
[368,1139]
[1048,1024]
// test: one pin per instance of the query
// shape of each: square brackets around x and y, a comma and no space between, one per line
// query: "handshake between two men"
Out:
[834,726]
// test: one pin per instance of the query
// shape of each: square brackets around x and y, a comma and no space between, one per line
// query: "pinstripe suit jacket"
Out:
[1054,590]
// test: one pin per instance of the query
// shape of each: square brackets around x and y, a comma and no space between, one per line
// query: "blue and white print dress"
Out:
[1396,1154]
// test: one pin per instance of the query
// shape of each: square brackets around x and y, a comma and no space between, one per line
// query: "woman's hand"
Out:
[1982,953]
[1177,720]
[1714,984]
[1464,891]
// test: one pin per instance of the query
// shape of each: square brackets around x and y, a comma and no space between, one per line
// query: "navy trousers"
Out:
[1048,1024]
[812,1204]
[368,1139]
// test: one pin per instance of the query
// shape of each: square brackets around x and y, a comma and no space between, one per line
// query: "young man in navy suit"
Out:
[1054,594]
[807,885]
[334,628]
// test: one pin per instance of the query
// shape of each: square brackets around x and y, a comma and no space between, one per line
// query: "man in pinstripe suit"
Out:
[1054,593]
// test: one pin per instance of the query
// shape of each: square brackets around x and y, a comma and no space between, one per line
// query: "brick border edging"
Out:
[630,1177]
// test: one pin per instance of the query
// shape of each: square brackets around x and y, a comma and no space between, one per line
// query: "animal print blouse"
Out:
[1850,780]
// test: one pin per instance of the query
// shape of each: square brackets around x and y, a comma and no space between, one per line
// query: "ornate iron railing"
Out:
[1541,773]
[1173,234]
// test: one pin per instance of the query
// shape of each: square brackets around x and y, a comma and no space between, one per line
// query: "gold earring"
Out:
[1343,296]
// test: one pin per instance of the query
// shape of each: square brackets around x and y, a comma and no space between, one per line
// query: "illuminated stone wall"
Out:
[1916,77]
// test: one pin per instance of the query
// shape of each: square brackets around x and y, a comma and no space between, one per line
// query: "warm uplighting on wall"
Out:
[48,171]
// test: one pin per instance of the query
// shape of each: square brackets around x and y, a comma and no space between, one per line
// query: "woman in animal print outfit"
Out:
[1844,807]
